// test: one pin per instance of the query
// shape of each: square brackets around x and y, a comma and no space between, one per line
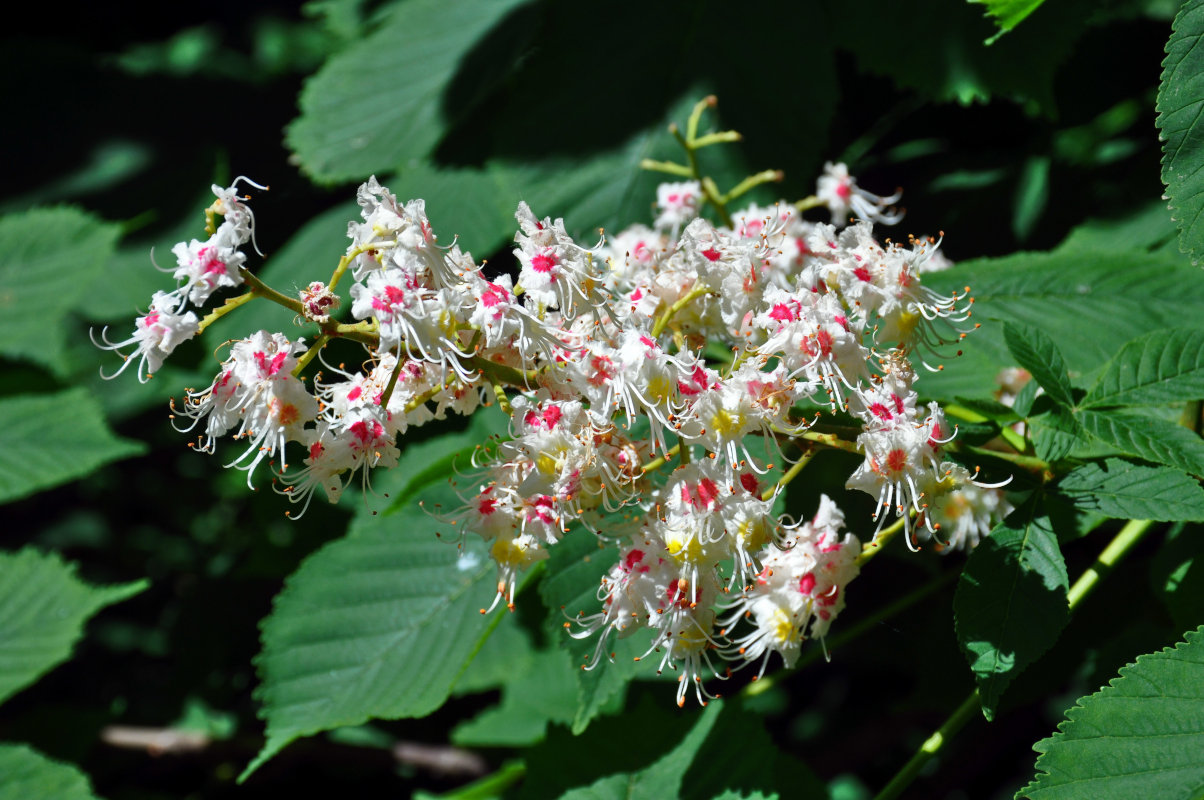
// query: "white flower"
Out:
[840,193]
[156,334]
[677,203]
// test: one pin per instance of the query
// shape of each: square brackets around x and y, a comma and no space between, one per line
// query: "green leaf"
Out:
[546,691]
[575,565]
[130,279]
[1140,736]
[723,750]
[1177,574]
[1147,437]
[1032,195]
[53,439]
[1124,490]
[507,653]
[1055,433]
[1062,293]
[1160,367]
[956,67]
[375,625]
[1037,353]
[1007,14]
[48,257]
[25,773]
[43,608]
[1011,604]
[1180,106]
[384,100]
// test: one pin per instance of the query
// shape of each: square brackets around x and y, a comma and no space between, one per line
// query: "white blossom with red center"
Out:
[204,267]
[677,204]
[840,193]
[157,333]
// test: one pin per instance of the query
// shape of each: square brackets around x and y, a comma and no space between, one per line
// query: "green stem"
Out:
[680,170]
[657,463]
[310,354]
[696,116]
[711,192]
[880,540]
[490,786]
[346,260]
[1111,555]
[1117,549]
[222,310]
[753,181]
[1031,463]
[503,402]
[663,322]
[268,293]
[830,440]
[808,203]
[719,137]
[932,745]
[789,475]
[503,373]
[388,392]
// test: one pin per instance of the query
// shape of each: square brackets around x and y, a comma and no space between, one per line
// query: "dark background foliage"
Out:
[132,116]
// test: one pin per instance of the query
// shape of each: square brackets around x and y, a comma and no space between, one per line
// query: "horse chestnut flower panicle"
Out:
[661,388]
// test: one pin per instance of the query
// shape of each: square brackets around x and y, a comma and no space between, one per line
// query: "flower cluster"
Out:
[597,354]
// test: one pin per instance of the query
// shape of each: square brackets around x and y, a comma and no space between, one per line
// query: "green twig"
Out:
[1116,550]
[224,309]
[663,322]
[310,354]
[880,540]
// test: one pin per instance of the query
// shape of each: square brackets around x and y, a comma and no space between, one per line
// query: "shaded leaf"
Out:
[382,101]
[1061,293]
[1055,434]
[1177,574]
[1124,490]
[956,67]
[1037,353]
[51,439]
[1147,437]
[1011,603]
[1180,107]
[723,750]
[48,258]
[545,691]
[575,567]
[43,608]
[1160,367]
[1032,195]
[25,773]
[1140,736]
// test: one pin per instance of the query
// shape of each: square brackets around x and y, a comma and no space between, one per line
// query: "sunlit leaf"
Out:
[1160,367]
[380,623]
[1007,14]
[383,100]
[1147,437]
[1180,103]
[1124,490]
[1140,736]
[1011,603]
